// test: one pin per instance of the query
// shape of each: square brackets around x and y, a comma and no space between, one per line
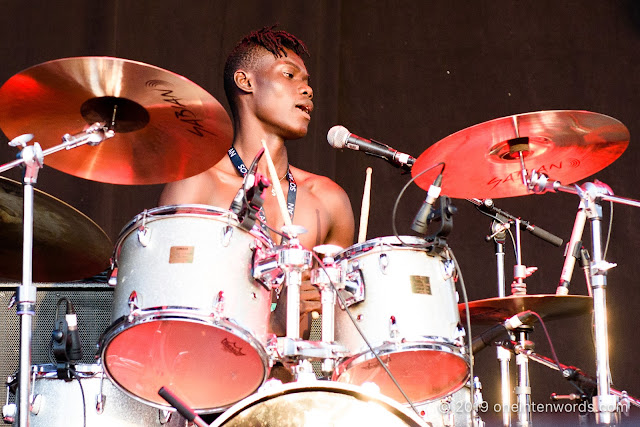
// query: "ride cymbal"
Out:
[166,127]
[549,307]
[482,161]
[67,245]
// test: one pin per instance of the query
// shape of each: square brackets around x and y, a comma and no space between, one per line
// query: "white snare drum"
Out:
[187,313]
[98,403]
[317,403]
[409,314]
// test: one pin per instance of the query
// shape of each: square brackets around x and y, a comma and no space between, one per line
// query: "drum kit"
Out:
[193,287]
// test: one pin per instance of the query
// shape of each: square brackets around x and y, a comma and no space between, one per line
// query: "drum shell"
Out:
[60,402]
[191,259]
[393,294]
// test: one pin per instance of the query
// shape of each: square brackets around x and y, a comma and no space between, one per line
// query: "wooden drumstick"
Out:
[364,211]
[275,181]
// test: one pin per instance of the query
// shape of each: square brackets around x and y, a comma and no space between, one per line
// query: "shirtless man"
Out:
[267,86]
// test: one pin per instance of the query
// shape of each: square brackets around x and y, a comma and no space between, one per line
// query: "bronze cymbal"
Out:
[166,127]
[566,145]
[67,245]
[549,307]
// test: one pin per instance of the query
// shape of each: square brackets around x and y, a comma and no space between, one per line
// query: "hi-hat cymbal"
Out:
[166,127]
[67,245]
[549,307]
[480,161]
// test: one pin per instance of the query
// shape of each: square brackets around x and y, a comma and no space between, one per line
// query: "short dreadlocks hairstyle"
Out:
[248,51]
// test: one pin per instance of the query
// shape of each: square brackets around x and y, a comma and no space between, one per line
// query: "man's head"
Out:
[248,53]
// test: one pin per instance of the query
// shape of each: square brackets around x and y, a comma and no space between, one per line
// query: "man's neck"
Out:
[248,147]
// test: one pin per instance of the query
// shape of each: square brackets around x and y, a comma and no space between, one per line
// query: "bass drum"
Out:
[187,313]
[404,301]
[317,403]
[89,400]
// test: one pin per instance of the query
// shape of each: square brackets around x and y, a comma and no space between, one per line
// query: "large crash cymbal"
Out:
[567,145]
[67,245]
[166,127]
[549,307]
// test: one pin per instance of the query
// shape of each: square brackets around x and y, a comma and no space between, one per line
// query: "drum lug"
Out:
[36,403]
[9,412]
[144,234]
[99,403]
[227,233]
[164,416]
[354,285]
[218,308]
[113,277]
[133,303]
[383,263]
[394,331]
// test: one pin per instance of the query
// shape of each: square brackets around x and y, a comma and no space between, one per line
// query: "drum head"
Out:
[210,365]
[425,371]
[321,403]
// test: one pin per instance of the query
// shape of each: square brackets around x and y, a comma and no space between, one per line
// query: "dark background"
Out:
[408,74]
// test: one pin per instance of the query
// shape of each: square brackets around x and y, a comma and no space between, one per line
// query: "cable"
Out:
[468,324]
[397,202]
[362,335]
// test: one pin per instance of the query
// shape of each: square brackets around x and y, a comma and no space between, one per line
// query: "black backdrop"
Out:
[409,74]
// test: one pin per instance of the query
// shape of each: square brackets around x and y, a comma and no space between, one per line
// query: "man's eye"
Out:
[289,75]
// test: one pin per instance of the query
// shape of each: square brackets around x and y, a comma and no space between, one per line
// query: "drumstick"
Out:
[364,211]
[275,181]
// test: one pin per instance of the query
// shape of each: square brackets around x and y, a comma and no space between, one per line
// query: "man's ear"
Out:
[243,81]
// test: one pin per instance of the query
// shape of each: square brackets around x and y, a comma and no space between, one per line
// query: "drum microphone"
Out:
[340,137]
[421,221]
[238,203]
[75,346]
[487,338]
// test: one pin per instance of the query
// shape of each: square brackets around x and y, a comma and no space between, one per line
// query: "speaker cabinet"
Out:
[92,304]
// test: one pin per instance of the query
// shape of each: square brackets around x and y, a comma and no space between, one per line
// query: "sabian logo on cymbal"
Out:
[182,112]
[515,176]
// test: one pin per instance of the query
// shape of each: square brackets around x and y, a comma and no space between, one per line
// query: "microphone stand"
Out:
[605,402]
[32,157]
[504,356]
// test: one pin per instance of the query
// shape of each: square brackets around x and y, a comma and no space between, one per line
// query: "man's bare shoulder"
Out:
[198,188]
[315,184]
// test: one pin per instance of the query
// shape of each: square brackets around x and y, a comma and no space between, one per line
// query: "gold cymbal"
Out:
[166,127]
[549,307]
[481,161]
[67,245]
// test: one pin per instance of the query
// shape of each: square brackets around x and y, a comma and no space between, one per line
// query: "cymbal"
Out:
[479,163]
[166,127]
[549,307]
[67,245]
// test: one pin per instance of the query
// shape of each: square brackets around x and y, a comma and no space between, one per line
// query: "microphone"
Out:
[486,338]
[237,205]
[340,137]
[421,220]
[75,345]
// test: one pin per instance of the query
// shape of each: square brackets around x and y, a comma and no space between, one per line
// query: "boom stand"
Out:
[32,157]
[605,403]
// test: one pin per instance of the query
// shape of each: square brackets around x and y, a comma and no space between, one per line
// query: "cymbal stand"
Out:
[605,403]
[32,157]
[586,383]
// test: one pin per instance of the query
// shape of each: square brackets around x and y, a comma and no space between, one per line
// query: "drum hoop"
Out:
[191,210]
[390,348]
[49,370]
[267,393]
[389,242]
[183,314]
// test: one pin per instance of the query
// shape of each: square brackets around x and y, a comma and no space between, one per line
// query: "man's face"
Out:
[282,95]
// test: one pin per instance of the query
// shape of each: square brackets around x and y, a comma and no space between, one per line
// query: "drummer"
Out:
[269,93]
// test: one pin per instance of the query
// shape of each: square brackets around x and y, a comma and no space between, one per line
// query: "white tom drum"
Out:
[405,303]
[187,313]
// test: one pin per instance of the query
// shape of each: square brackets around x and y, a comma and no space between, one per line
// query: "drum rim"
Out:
[182,314]
[391,242]
[186,210]
[445,346]
[266,393]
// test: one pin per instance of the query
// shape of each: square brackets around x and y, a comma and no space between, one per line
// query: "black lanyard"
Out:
[291,193]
